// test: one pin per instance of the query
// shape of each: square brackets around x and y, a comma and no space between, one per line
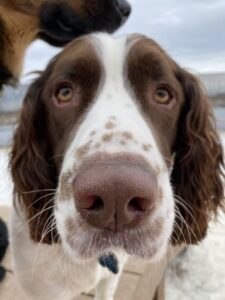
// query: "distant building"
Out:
[214,84]
[12,99]
[11,102]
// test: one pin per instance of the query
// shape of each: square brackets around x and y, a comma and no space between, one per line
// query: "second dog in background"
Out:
[57,22]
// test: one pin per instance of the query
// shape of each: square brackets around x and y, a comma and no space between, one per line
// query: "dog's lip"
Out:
[64,27]
[131,247]
[107,241]
[69,32]
[68,28]
[61,39]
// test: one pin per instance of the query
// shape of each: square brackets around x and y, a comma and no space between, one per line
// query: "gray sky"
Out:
[192,31]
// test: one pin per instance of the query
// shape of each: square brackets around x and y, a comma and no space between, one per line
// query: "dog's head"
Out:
[62,21]
[57,22]
[119,145]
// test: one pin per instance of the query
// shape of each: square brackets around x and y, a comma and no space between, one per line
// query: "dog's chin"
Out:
[82,250]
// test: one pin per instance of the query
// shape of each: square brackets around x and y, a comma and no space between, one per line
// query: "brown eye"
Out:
[162,96]
[64,94]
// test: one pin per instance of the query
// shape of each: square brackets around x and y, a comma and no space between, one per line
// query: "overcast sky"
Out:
[192,31]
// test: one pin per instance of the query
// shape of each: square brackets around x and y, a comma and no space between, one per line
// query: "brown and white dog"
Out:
[116,152]
[55,21]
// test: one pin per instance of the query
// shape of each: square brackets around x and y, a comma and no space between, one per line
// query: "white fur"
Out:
[46,273]
[67,271]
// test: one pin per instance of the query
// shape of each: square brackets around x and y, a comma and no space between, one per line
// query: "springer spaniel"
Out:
[116,154]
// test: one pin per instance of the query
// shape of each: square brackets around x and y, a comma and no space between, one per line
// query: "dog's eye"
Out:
[162,96]
[64,94]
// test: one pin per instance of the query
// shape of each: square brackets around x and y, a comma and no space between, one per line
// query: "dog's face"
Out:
[101,126]
[114,133]
[57,22]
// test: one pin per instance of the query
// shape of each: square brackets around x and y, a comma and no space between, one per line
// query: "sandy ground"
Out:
[198,274]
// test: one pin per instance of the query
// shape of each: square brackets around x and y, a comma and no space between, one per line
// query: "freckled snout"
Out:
[115,194]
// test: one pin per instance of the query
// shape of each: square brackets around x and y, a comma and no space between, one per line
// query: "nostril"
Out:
[94,203]
[138,204]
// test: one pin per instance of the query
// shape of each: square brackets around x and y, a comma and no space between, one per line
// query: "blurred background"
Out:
[191,31]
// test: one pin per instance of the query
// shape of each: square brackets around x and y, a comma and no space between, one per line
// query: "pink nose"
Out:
[115,194]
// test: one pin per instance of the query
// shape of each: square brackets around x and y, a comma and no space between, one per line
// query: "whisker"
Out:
[44,210]
[26,222]
[189,229]
[181,232]
[49,229]
[39,191]
[183,222]
[37,200]
[182,204]
[181,199]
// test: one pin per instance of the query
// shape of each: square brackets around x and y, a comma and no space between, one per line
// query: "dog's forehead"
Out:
[80,49]
[113,47]
[112,52]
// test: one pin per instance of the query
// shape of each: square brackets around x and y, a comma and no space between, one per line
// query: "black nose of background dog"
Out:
[124,7]
[60,22]
[115,195]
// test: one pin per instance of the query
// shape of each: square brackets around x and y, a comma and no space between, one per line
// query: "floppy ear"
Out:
[33,172]
[198,175]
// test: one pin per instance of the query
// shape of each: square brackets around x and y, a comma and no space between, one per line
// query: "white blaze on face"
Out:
[114,124]
[114,105]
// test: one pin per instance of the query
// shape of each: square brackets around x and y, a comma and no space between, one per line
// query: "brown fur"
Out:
[18,30]
[198,168]
[189,131]
[20,27]
[34,164]
[192,136]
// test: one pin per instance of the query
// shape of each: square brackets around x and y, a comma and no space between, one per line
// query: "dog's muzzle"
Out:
[114,194]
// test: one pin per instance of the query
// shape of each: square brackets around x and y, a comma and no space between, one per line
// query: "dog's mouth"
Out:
[141,243]
[60,24]
[64,27]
